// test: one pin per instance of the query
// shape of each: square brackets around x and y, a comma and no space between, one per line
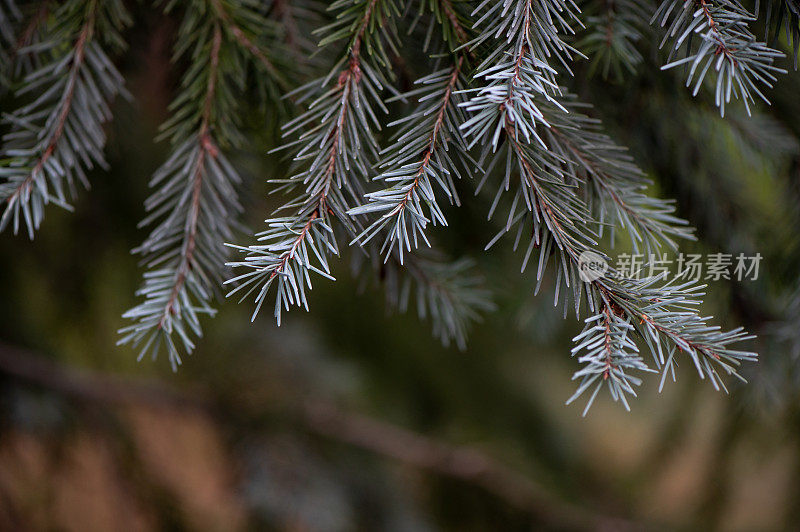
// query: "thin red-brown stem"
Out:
[672,334]
[612,300]
[63,114]
[517,67]
[349,76]
[245,41]
[530,175]
[434,136]
[553,224]
[610,17]
[449,12]
[284,11]
[596,170]
[206,149]
[287,255]
[714,27]
[575,150]
[607,336]
[27,34]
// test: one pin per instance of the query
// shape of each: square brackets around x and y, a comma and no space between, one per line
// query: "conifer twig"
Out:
[195,202]
[58,136]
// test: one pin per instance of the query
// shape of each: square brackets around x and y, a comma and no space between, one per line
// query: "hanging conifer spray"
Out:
[381,153]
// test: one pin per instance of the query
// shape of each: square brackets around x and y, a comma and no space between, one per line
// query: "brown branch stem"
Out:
[434,136]
[63,114]
[205,149]
[245,41]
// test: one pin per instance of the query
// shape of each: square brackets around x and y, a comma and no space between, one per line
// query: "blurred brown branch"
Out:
[89,385]
[323,418]
[464,463]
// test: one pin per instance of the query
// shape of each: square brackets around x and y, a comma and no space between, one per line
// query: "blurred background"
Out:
[350,418]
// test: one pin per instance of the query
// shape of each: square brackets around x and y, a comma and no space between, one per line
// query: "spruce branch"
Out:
[334,155]
[782,15]
[59,135]
[245,26]
[553,158]
[573,146]
[740,62]
[424,155]
[450,294]
[428,150]
[562,183]
[516,73]
[295,16]
[609,352]
[419,160]
[664,315]
[334,152]
[24,59]
[613,29]
[448,17]
[520,26]
[547,207]
[612,185]
[195,202]
[177,288]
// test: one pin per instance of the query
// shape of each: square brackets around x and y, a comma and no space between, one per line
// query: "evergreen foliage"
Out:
[492,115]
[195,205]
[614,31]
[782,16]
[58,135]
[742,64]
